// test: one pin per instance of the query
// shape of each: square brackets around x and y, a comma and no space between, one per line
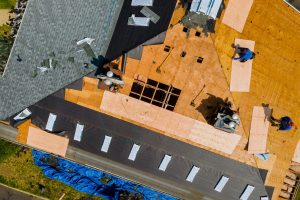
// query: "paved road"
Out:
[7,193]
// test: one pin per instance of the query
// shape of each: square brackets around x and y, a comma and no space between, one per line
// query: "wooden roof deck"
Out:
[275,76]
[183,73]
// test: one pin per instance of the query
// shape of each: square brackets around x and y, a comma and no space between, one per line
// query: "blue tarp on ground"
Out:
[92,181]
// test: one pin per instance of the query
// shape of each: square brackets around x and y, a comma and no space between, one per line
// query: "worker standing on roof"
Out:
[244,53]
[284,123]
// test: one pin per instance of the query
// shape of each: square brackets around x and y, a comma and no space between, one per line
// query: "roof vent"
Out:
[141,2]
[138,21]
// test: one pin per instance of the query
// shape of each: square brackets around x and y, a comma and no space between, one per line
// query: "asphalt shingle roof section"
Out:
[153,147]
[50,30]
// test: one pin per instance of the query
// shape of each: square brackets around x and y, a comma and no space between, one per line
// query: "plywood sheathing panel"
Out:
[90,84]
[275,74]
[259,130]
[189,76]
[178,14]
[267,165]
[183,73]
[23,131]
[296,156]
[48,142]
[90,96]
[236,13]
[177,125]
[241,71]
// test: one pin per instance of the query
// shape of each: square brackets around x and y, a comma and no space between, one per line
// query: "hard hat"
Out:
[109,74]
[235,116]
[107,82]
[292,123]
[231,124]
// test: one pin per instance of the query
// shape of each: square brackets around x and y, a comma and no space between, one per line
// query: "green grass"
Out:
[7,4]
[6,43]
[4,31]
[7,150]
[298,195]
[18,170]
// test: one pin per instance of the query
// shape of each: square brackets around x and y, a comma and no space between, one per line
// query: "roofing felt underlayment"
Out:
[127,37]
[153,147]
[50,30]
[294,3]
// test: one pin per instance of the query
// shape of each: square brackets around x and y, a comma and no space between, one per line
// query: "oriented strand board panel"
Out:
[266,164]
[259,130]
[275,29]
[236,14]
[296,157]
[23,131]
[208,136]
[172,123]
[241,71]
[48,142]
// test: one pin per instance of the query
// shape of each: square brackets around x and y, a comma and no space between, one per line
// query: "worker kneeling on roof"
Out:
[284,123]
[244,53]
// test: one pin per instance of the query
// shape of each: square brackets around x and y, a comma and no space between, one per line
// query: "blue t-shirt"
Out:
[247,56]
[284,124]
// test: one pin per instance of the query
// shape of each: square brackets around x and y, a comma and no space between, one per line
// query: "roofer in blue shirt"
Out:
[284,123]
[244,53]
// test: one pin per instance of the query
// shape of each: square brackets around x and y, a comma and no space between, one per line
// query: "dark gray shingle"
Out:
[50,30]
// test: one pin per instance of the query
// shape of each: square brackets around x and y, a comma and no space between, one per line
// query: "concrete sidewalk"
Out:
[9,193]
[4,16]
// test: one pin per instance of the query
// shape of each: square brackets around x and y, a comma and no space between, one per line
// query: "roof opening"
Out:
[200,60]
[156,93]
[183,54]
[185,29]
[167,48]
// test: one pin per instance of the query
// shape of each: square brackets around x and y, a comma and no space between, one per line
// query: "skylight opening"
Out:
[165,162]
[106,144]
[156,93]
